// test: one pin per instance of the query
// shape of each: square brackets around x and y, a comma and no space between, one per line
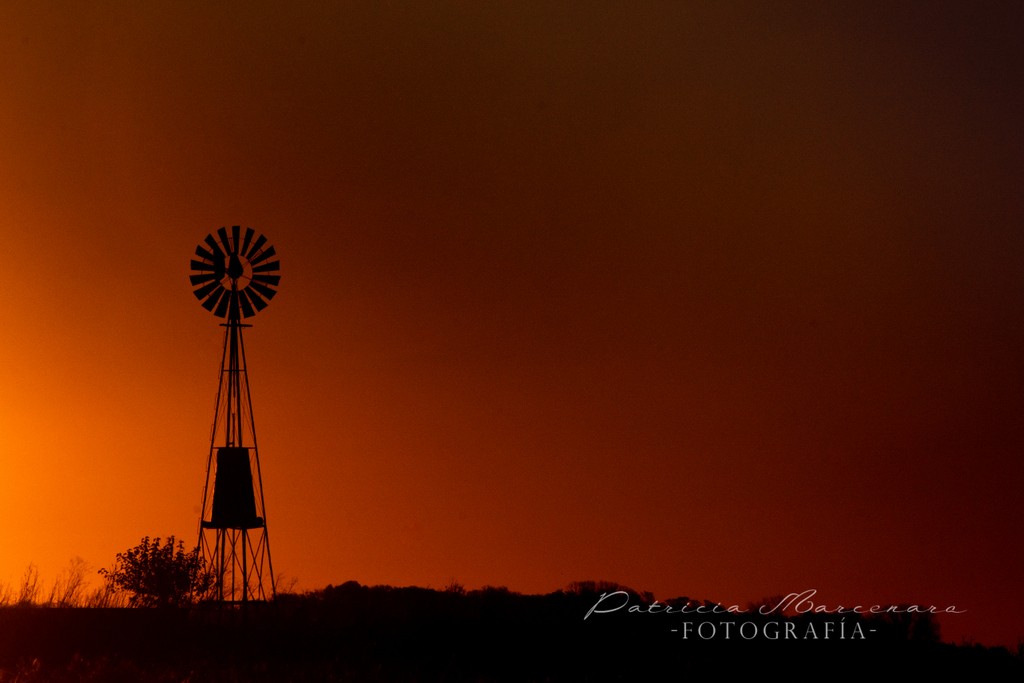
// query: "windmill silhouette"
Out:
[234,277]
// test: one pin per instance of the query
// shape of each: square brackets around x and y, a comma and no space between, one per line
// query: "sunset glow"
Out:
[715,301]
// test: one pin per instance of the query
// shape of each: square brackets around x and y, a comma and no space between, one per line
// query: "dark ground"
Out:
[358,633]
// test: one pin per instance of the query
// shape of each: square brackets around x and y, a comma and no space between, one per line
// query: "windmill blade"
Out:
[206,290]
[256,299]
[249,232]
[201,278]
[267,279]
[223,234]
[202,253]
[234,238]
[264,267]
[262,289]
[222,307]
[262,256]
[200,265]
[260,241]
[214,298]
[218,256]
[218,253]
[243,300]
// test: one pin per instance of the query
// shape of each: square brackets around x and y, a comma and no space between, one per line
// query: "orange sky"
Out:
[722,301]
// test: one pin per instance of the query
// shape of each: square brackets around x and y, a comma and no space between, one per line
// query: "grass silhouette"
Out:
[353,632]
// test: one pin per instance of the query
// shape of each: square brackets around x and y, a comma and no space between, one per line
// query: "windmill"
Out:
[234,277]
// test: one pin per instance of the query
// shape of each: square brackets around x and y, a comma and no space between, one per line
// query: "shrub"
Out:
[159,575]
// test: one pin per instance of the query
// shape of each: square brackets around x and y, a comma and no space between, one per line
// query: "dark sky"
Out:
[719,300]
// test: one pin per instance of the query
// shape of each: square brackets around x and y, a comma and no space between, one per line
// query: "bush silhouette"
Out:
[159,575]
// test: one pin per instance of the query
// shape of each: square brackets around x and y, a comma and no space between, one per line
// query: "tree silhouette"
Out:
[159,575]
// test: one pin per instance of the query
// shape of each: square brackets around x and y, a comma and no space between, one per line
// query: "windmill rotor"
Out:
[235,276]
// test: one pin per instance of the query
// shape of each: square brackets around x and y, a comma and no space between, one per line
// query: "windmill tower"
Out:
[234,277]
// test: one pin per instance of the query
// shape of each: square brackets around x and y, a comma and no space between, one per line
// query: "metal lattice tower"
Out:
[234,277]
